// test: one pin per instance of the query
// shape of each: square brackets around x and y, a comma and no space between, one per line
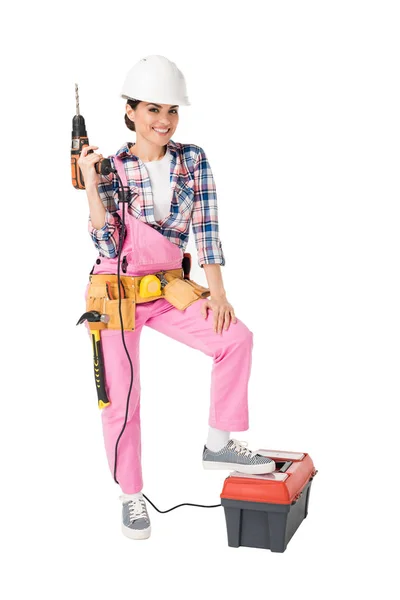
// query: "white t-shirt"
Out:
[159,173]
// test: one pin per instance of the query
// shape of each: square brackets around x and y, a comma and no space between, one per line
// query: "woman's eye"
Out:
[173,110]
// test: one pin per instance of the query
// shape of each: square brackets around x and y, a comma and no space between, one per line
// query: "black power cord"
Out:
[183,504]
[121,241]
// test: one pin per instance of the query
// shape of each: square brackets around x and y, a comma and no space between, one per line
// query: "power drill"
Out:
[80,139]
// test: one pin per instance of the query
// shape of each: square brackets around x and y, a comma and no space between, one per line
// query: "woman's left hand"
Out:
[223,312]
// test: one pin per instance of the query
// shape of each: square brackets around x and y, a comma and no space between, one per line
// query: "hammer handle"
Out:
[99,377]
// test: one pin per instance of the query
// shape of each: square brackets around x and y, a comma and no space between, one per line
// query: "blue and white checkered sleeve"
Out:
[106,239]
[205,214]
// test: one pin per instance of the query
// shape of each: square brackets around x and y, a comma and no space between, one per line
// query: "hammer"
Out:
[97,321]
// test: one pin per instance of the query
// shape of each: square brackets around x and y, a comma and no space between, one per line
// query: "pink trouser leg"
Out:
[117,373]
[231,352]
[118,376]
[232,356]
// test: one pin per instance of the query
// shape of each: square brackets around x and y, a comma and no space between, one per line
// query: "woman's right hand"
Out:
[87,163]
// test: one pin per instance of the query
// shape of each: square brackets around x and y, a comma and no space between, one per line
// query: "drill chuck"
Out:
[78,127]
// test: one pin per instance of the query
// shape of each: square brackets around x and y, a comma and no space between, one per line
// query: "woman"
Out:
[157,230]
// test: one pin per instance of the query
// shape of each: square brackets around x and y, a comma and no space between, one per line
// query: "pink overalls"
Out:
[148,251]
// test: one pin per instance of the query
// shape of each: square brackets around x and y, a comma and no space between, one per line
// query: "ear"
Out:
[130,113]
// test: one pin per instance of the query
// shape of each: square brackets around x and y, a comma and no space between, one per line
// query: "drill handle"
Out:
[102,167]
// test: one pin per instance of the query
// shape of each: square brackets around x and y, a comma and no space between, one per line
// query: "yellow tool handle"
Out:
[99,375]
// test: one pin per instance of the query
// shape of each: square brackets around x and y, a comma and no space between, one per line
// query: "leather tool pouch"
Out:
[181,293]
[200,290]
[97,299]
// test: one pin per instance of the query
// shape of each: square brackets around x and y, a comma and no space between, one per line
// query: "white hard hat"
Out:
[156,79]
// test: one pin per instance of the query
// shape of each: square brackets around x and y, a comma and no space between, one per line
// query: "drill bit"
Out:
[77,98]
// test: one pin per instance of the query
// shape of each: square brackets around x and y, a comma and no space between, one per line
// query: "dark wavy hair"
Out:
[130,124]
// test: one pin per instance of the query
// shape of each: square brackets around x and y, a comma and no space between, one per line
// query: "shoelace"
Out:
[137,508]
[240,448]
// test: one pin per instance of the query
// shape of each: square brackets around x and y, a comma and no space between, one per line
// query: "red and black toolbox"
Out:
[264,511]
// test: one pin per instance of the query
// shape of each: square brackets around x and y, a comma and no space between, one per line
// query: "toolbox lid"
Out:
[282,486]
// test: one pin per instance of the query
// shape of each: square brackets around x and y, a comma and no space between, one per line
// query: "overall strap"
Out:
[127,243]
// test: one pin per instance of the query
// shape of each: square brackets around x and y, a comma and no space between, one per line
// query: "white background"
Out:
[297,107]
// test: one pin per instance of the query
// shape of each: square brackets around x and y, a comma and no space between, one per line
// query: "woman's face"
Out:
[149,117]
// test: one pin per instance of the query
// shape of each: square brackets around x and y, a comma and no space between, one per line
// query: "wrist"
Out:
[90,186]
[218,294]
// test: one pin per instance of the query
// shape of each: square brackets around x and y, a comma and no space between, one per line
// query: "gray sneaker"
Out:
[236,457]
[135,520]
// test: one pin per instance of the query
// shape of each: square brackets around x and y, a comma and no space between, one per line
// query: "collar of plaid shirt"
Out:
[181,180]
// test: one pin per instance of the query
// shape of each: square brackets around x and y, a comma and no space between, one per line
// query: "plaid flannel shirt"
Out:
[194,200]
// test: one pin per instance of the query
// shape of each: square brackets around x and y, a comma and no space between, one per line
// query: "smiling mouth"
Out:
[162,132]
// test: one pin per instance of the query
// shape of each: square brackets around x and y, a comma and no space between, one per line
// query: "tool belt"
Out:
[102,295]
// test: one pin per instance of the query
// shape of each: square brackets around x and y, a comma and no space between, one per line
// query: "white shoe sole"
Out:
[138,534]
[249,469]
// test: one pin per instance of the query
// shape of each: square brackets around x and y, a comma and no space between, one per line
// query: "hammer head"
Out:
[92,316]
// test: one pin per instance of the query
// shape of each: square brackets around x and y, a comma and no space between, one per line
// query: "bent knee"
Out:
[242,333]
